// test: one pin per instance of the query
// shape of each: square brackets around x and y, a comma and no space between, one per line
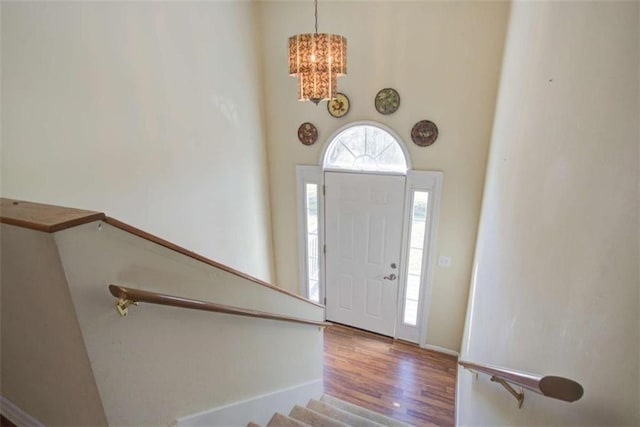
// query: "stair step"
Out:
[279,420]
[313,418]
[363,412]
[341,415]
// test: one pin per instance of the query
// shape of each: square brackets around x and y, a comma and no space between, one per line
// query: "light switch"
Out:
[444,261]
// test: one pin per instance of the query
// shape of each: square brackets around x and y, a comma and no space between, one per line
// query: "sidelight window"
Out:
[419,209]
[372,148]
[313,269]
[310,231]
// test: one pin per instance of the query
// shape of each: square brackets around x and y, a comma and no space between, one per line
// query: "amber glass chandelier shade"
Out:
[317,60]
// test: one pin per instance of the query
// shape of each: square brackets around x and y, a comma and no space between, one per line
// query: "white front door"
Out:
[363,239]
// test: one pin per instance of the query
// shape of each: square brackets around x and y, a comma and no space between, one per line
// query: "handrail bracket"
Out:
[519,396]
[123,304]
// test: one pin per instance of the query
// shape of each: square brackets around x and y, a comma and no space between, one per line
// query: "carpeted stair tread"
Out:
[279,420]
[313,418]
[363,412]
[341,415]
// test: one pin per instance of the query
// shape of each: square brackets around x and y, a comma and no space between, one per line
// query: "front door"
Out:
[363,238]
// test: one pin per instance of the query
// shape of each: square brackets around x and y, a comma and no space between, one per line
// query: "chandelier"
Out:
[317,60]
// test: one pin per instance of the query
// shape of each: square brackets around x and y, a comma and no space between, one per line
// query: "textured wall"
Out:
[149,111]
[162,363]
[556,285]
[444,59]
[44,361]
[69,358]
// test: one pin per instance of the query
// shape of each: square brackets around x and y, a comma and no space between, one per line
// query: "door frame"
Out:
[429,181]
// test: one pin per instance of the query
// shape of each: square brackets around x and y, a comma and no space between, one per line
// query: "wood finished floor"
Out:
[391,377]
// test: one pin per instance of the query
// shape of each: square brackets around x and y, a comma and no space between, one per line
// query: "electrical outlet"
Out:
[444,261]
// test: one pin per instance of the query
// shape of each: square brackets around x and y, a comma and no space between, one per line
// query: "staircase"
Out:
[330,412]
[66,259]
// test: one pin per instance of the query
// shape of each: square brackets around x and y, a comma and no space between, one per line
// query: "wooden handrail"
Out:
[41,217]
[128,296]
[551,386]
[157,240]
[51,218]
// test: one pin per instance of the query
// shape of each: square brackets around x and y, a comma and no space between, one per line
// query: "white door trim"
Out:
[416,181]
[306,174]
[433,181]
[430,181]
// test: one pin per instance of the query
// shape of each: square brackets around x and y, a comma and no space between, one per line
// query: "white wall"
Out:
[444,59]
[45,365]
[149,111]
[556,283]
[177,362]
[69,358]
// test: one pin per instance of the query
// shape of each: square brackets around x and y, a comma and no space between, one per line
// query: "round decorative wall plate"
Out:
[387,101]
[307,133]
[338,106]
[424,133]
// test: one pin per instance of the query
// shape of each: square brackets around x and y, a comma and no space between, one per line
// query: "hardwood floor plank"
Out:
[395,378]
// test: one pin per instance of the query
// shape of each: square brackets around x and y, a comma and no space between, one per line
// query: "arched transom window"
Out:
[365,147]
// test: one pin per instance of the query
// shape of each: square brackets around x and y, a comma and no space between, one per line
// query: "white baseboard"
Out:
[441,350]
[259,409]
[17,415]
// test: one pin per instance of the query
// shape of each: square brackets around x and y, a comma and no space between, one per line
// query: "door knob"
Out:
[392,276]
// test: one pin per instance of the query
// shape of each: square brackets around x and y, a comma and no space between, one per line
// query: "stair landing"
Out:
[395,378]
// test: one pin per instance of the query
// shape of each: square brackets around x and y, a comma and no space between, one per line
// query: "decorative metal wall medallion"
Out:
[307,133]
[424,133]
[387,101]
[338,106]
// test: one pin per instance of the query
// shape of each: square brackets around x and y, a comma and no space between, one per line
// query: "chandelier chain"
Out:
[316,6]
